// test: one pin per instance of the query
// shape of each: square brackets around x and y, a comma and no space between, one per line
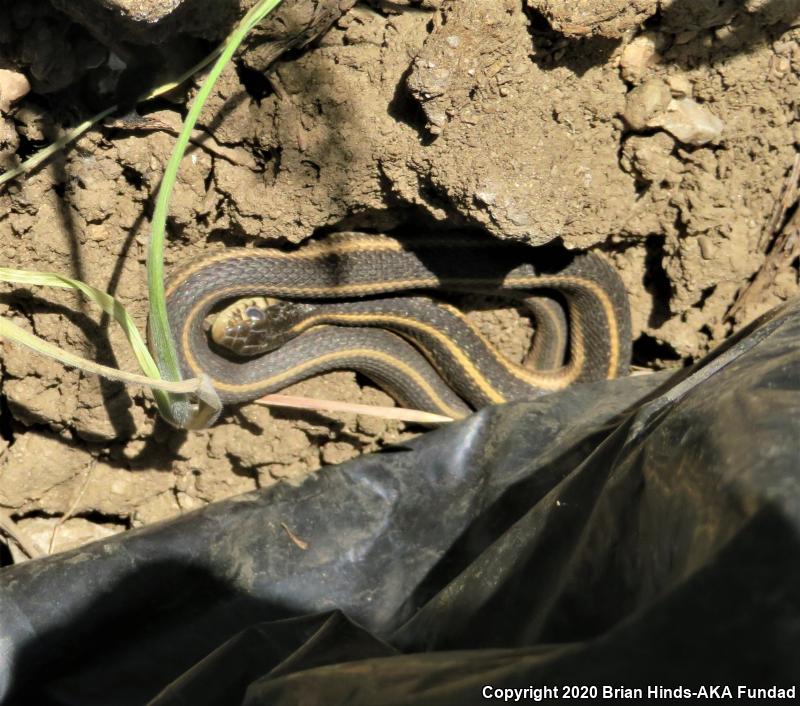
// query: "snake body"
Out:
[335,304]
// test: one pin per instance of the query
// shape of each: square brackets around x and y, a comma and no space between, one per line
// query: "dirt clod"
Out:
[13,86]
[645,104]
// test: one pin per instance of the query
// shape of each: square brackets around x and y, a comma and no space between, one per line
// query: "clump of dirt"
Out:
[659,133]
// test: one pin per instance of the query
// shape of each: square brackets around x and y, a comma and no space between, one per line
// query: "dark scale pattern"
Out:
[456,264]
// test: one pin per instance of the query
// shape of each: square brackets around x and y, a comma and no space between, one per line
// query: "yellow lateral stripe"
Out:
[335,244]
[466,364]
[488,390]
[533,281]
[555,381]
[601,296]
[546,380]
[376,287]
[549,382]
[363,352]
[554,320]
[308,252]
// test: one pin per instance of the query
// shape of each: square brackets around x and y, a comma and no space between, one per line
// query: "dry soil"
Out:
[661,133]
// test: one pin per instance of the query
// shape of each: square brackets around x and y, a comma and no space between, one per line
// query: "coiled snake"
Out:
[335,304]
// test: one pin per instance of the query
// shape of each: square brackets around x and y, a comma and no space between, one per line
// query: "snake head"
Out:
[257,325]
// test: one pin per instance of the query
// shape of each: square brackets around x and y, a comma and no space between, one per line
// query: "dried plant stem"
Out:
[11,530]
[782,241]
[72,508]
[397,413]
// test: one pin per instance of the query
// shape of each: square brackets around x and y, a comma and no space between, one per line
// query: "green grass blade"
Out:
[108,304]
[161,337]
[11,332]
[190,411]
[68,138]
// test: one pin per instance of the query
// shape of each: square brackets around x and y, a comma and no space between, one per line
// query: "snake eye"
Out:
[254,314]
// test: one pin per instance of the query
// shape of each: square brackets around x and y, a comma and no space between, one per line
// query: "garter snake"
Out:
[334,304]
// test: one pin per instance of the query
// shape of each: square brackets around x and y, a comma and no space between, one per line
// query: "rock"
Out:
[680,86]
[606,18]
[154,21]
[689,122]
[773,10]
[147,22]
[639,55]
[650,158]
[13,86]
[645,103]
[652,105]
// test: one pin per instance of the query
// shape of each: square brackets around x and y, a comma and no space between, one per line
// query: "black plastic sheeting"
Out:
[614,535]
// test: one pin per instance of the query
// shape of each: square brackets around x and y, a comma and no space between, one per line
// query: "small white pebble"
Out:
[680,86]
[690,123]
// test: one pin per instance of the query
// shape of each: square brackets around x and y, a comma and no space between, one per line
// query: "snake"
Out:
[367,303]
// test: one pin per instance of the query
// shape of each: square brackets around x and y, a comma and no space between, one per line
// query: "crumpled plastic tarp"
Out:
[639,533]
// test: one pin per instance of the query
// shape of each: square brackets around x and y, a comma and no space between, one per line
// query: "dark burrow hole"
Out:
[255,82]
[705,294]
[579,54]
[102,518]
[404,108]
[656,280]
[538,22]
[649,352]
[133,177]
[5,554]
[27,148]
[6,424]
